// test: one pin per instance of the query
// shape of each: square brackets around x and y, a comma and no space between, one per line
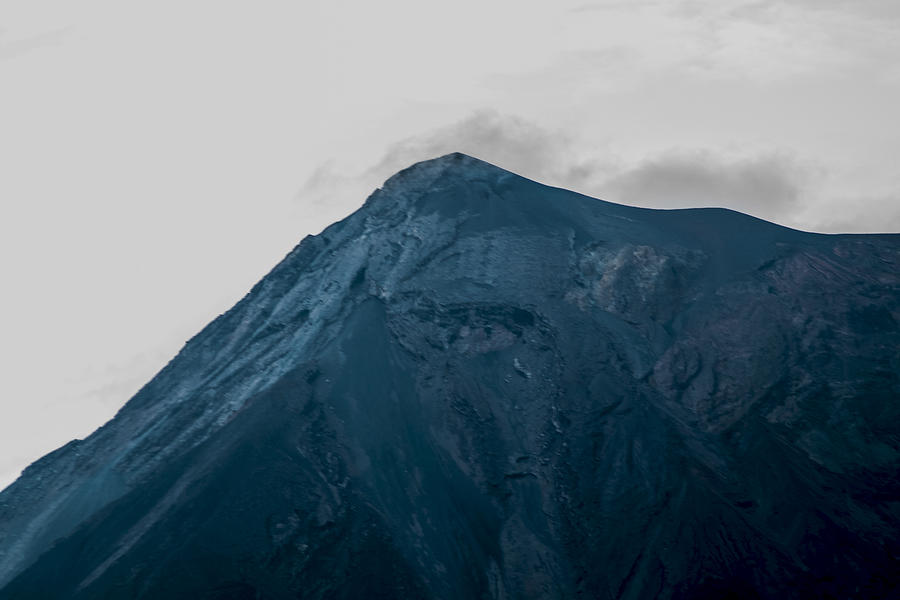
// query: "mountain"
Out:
[477,386]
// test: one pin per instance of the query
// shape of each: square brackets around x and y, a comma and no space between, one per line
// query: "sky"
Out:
[158,158]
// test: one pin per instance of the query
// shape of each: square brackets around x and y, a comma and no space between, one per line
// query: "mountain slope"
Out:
[479,386]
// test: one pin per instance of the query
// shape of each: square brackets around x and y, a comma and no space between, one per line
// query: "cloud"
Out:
[12,49]
[768,186]
[753,41]
[875,9]
[858,214]
[507,141]
[773,186]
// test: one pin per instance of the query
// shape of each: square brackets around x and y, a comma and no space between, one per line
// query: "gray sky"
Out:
[157,158]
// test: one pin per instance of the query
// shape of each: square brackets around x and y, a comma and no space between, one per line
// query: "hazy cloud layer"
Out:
[878,9]
[17,47]
[858,214]
[774,186]
[769,186]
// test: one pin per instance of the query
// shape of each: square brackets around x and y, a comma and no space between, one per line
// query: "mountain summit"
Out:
[477,386]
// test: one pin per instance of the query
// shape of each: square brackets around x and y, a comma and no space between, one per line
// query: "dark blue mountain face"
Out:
[477,386]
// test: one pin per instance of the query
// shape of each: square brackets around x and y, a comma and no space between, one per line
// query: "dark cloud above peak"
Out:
[507,141]
[767,186]
[773,186]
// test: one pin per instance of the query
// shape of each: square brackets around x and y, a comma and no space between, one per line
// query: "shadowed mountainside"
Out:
[477,386]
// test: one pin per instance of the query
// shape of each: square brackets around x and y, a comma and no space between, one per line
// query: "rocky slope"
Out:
[477,386]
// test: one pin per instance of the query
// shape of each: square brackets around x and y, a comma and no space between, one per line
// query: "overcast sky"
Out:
[157,158]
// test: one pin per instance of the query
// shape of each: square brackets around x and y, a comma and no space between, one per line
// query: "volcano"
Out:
[478,386]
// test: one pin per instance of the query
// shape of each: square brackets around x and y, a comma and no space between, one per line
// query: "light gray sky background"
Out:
[157,158]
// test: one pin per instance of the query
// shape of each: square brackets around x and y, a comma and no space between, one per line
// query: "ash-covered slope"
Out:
[477,386]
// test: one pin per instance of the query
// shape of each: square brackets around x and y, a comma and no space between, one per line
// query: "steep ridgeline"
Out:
[477,386]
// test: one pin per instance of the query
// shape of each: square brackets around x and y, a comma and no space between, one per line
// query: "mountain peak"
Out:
[423,173]
[456,161]
[429,182]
